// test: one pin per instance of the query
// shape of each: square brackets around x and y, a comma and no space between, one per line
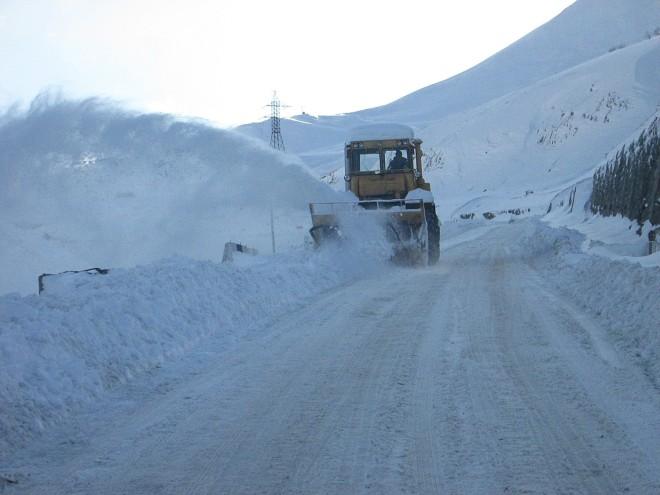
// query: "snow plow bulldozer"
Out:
[383,171]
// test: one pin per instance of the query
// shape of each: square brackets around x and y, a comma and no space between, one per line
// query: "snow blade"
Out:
[401,222]
[324,233]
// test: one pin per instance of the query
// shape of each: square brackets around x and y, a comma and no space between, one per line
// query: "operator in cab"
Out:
[398,162]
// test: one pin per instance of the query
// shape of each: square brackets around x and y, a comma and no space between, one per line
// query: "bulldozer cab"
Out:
[387,168]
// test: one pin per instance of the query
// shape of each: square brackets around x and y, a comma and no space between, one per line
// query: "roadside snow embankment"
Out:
[86,334]
[621,295]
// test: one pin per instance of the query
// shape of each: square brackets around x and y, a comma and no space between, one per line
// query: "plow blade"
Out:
[405,223]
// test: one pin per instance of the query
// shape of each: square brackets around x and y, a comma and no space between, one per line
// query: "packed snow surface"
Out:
[519,364]
[527,361]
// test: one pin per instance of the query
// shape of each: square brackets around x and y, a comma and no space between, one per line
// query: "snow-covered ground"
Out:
[510,367]
[86,334]
[527,361]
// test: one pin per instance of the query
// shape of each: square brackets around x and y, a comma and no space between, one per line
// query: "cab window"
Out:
[398,158]
[365,160]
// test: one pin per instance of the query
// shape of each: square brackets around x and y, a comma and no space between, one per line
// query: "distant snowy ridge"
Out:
[583,31]
[87,183]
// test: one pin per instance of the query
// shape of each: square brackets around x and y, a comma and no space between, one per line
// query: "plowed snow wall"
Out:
[86,335]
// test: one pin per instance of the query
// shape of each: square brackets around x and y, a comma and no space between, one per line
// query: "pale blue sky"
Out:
[221,60]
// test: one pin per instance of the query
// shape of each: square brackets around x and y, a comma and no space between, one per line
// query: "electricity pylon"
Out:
[276,140]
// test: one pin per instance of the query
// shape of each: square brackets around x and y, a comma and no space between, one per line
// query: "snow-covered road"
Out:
[474,377]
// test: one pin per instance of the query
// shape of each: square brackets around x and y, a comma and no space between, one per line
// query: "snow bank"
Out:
[85,183]
[86,334]
[621,295]
[615,237]
[417,194]
[380,131]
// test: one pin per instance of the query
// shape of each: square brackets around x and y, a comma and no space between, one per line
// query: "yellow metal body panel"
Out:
[326,214]
[393,185]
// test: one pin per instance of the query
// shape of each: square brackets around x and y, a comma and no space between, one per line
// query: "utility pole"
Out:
[276,140]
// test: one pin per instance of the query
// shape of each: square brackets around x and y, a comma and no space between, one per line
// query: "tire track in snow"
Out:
[607,397]
[549,395]
[434,398]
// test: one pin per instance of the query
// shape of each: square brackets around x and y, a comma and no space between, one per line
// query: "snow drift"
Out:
[86,334]
[620,294]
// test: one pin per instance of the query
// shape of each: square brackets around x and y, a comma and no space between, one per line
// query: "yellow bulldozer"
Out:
[383,171]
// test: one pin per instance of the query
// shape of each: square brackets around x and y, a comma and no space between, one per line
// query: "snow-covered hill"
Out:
[584,31]
[534,117]
[536,141]
[87,184]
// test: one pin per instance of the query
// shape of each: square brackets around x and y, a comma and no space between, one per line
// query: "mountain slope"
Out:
[548,135]
[486,134]
[585,30]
